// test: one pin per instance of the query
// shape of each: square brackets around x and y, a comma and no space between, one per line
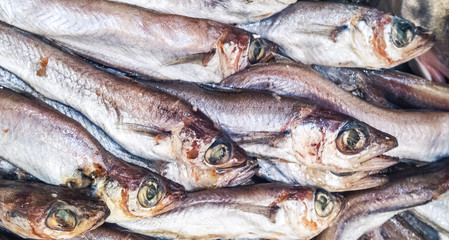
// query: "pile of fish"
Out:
[211,119]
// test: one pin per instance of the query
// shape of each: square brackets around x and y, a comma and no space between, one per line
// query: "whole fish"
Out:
[291,129]
[403,225]
[139,41]
[32,133]
[226,11]
[328,180]
[381,86]
[110,232]
[367,209]
[40,211]
[258,211]
[420,135]
[433,15]
[191,177]
[344,35]
[147,122]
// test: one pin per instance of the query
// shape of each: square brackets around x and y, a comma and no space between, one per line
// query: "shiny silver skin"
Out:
[344,35]
[273,211]
[286,129]
[368,209]
[226,11]
[421,135]
[25,209]
[34,133]
[139,41]
[191,177]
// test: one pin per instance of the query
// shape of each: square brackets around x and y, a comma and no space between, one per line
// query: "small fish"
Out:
[40,211]
[330,181]
[226,11]
[110,232]
[191,177]
[271,211]
[367,209]
[380,87]
[146,122]
[141,42]
[433,15]
[403,225]
[291,129]
[343,35]
[74,158]
[421,135]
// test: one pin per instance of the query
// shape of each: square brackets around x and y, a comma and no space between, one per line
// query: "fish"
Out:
[403,225]
[343,35]
[146,122]
[433,15]
[110,232]
[226,11]
[333,182]
[368,209]
[268,211]
[33,133]
[421,135]
[11,172]
[291,129]
[191,177]
[389,88]
[141,42]
[435,213]
[40,211]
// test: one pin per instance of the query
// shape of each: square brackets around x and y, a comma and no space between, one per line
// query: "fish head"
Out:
[41,212]
[387,40]
[331,141]
[241,50]
[200,143]
[312,211]
[133,192]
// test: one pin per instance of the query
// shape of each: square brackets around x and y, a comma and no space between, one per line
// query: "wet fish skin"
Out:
[25,144]
[156,126]
[380,86]
[191,177]
[367,209]
[420,135]
[226,11]
[274,127]
[139,41]
[11,172]
[336,34]
[299,174]
[26,206]
[258,211]
[110,232]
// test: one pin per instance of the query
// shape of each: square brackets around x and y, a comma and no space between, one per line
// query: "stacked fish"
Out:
[223,119]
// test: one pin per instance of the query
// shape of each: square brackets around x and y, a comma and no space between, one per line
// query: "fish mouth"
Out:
[249,170]
[378,163]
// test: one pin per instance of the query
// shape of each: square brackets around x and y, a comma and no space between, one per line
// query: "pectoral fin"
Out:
[196,58]
[145,129]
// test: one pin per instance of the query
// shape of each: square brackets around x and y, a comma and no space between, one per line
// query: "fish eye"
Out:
[352,139]
[150,193]
[219,152]
[324,203]
[61,220]
[256,50]
[403,32]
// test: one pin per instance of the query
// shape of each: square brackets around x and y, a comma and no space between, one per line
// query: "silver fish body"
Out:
[33,133]
[290,129]
[226,11]
[40,211]
[146,122]
[191,177]
[139,41]
[110,232]
[336,34]
[368,209]
[258,211]
[421,135]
